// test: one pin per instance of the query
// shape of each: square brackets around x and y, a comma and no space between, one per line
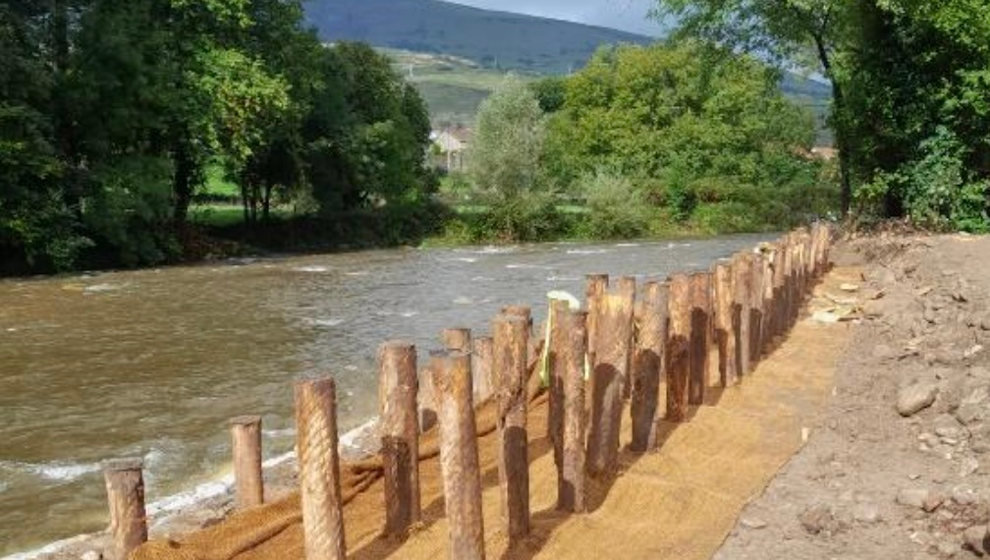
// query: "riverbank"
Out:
[152,363]
[898,465]
[867,468]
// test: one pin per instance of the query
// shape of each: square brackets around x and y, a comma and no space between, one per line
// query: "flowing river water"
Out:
[153,363]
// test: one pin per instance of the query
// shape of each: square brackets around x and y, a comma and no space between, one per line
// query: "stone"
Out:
[916,397]
[968,413]
[946,426]
[965,495]
[820,520]
[947,549]
[975,540]
[932,502]
[866,512]
[750,522]
[972,351]
[91,555]
[913,497]
[968,466]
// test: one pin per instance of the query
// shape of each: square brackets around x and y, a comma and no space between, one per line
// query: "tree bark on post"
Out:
[766,328]
[481,368]
[245,432]
[755,310]
[597,285]
[570,486]
[677,351]
[458,339]
[510,359]
[558,362]
[724,328]
[319,469]
[653,319]
[397,392]
[609,369]
[125,496]
[627,289]
[743,275]
[459,461]
[779,292]
[701,285]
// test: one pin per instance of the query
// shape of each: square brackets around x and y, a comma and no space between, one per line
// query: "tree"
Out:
[809,33]
[508,144]
[692,128]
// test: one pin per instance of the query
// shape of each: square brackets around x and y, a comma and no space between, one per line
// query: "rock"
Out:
[946,426]
[964,495]
[916,397]
[866,512]
[752,522]
[948,549]
[968,466]
[819,520]
[968,414]
[913,497]
[849,287]
[883,352]
[91,555]
[932,502]
[975,540]
[972,351]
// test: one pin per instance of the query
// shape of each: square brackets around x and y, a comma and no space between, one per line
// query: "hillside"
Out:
[493,39]
[457,54]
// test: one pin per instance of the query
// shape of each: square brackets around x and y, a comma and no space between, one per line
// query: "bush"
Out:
[617,208]
[526,217]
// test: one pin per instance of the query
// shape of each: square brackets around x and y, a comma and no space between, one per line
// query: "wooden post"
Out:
[755,310]
[527,314]
[596,286]
[627,289]
[779,295]
[319,469]
[509,363]
[570,485]
[610,365]
[677,354]
[724,329]
[743,276]
[653,319]
[481,368]
[125,495]
[766,304]
[701,285]
[397,391]
[245,432]
[558,361]
[459,454]
[458,339]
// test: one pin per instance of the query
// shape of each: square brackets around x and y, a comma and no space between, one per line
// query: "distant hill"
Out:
[492,39]
[457,54]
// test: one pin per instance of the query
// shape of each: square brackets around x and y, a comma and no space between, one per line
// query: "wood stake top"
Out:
[123,464]
[246,420]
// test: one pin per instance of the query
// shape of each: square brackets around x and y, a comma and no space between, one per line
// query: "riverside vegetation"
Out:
[116,118]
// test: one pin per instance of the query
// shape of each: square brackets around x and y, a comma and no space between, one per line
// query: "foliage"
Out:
[617,209]
[508,144]
[113,115]
[678,127]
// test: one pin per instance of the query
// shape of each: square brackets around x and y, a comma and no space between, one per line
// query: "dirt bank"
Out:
[897,467]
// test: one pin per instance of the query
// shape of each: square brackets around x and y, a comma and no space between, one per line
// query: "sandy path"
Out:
[680,502]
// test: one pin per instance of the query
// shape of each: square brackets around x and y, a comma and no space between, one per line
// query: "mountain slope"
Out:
[493,39]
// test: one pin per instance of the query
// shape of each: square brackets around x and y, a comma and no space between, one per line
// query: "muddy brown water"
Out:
[152,363]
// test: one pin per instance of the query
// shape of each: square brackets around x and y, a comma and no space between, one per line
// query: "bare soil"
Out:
[871,482]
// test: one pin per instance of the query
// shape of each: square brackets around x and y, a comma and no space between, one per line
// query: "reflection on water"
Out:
[154,362]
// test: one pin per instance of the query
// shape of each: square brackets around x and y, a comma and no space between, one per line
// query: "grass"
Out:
[223,215]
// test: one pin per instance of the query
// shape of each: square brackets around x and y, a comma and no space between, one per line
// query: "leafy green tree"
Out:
[813,34]
[692,125]
[508,143]
[919,76]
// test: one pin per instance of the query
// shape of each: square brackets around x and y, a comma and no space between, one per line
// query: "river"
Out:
[152,363]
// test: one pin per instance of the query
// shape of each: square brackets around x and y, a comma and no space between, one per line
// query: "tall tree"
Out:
[810,33]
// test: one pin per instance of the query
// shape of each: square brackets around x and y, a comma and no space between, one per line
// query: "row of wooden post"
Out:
[736,311]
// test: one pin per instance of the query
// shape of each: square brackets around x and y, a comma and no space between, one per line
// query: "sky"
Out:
[628,15]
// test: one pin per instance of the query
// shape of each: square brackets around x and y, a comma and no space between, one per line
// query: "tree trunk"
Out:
[182,184]
[266,203]
[838,123]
